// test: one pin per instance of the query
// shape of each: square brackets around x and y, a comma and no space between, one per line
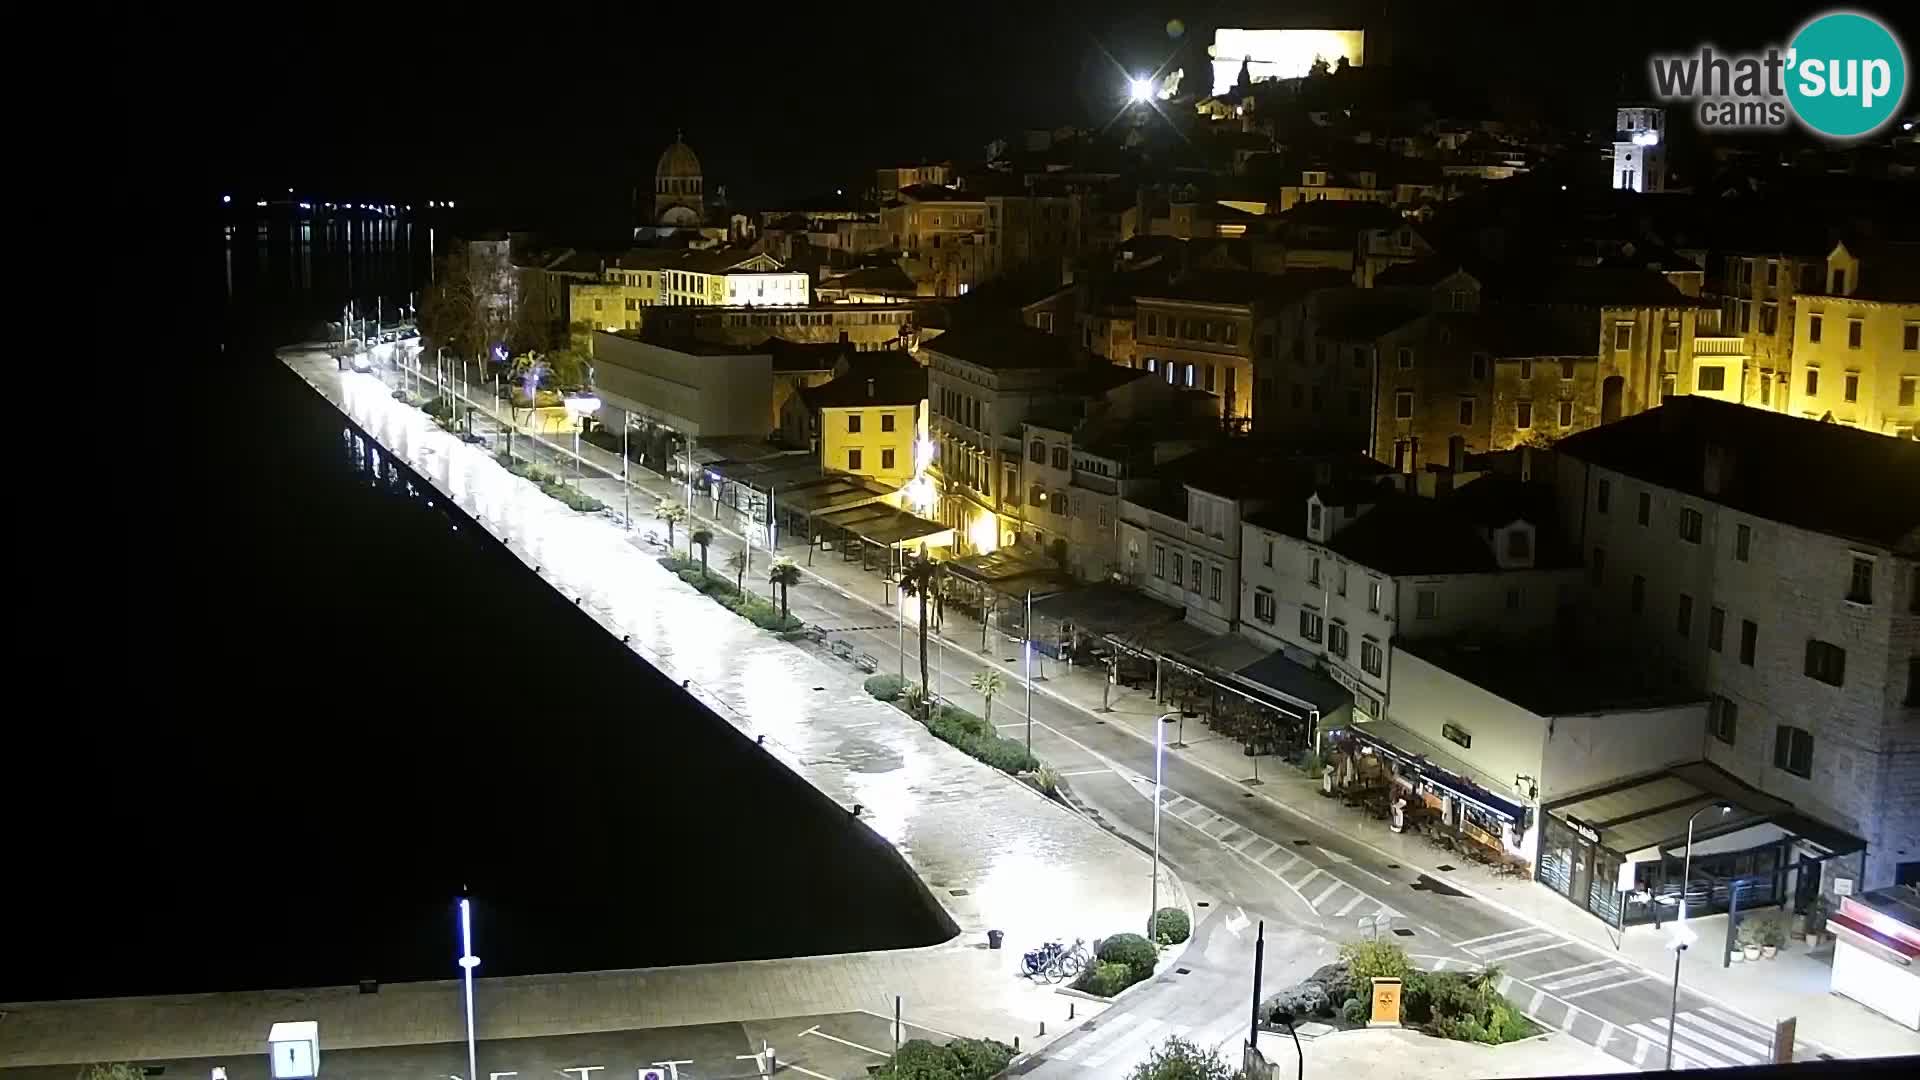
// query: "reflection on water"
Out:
[309,265]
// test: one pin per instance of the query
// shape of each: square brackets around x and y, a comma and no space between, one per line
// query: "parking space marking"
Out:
[815,1030]
[1322,898]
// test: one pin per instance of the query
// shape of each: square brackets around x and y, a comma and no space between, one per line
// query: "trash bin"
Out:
[994,937]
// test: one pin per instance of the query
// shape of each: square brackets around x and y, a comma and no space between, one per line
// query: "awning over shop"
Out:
[1437,768]
[1278,673]
[1645,817]
[887,526]
[797,485]
[1011,572]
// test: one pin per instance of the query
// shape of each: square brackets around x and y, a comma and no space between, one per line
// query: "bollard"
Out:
[1043,1030]
[1070,1007]
[1016,1044]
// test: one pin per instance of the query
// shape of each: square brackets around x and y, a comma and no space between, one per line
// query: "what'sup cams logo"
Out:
[1843,76]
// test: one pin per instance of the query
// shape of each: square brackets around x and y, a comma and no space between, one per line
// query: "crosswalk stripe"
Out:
[1243,845]
[1513,946]
[1292,861]
[1302,883]
[1569,983]
[1357,900]
[1222,839]
[1322,898]
[1640,1053]
[1681,1051]
[1505,957]
[1740,1024]
[1099,1036]
[1707,1045]
[1114,1049]
[1606,986]
[1571,970]
[1704,1050]
[1762,1049]
[1490,937]
[1182,815]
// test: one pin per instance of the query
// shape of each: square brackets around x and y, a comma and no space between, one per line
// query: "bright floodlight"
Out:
[585,406]
[1139,89]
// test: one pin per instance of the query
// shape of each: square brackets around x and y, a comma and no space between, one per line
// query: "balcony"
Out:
[1105,485]
[1719,345]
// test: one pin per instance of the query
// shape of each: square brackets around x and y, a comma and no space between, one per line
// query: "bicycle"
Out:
[1053,962]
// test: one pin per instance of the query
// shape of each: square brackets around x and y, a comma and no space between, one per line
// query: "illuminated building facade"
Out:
[1281,54]
[1856,342]
[1640,148]
[679,189]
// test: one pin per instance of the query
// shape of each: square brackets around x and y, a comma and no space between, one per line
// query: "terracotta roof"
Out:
[1004,346]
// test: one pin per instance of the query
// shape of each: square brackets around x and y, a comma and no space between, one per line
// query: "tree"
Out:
[671,513]
[737,562]
[700,538]
[119,1070]
[536,325]
[469,306]
[987,684]
[784,575]
[920,577]
[1178,1059]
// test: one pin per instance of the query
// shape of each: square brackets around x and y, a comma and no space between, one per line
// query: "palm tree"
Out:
[784,575]
[919,576]
[670,512]
[986,684]
[700,538]
[737,562]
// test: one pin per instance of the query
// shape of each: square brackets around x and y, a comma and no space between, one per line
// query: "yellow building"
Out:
[942,235]
[1856,343]
[871,420]
[646,277]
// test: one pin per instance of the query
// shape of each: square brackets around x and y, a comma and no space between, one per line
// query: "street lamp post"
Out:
[1027,655]
[580,408]
[1682,936]
[468,962]
[626,486]
[1159,753]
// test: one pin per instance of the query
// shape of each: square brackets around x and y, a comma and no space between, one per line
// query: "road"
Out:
[1235,848]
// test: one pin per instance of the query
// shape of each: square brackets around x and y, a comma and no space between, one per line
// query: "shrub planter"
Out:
[1769,951]
[1752,951]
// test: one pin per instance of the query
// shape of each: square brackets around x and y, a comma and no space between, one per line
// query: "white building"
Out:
[1342,575]
[1771,561]
[1640,149]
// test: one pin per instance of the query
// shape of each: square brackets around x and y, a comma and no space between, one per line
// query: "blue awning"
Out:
[1442,778]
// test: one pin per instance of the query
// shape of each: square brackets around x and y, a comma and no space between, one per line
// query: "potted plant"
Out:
[1816,921]
[1749,938]
[1773,934]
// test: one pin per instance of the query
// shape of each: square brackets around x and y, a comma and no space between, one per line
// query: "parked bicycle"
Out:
[1053,961]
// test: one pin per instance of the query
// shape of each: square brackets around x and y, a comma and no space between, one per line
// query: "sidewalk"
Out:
[1793,984]
[993,852]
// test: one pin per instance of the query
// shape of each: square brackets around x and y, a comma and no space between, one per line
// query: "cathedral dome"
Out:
[678,160]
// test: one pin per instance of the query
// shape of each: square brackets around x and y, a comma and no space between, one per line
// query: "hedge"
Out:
[1132,950]
[886,687]
[1105,978]
[722,591]
[961,1059]
[1171,926]
[549,483]
[976,738]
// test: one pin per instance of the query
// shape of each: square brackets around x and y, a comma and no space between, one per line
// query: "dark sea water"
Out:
[315,712]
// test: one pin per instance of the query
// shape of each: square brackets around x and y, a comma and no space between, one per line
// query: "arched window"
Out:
[1037,452]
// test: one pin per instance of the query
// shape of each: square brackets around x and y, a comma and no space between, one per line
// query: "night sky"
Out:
[551,111]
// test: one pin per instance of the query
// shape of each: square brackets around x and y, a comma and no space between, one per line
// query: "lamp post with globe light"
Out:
[1159,752]
[580,408]
[1682,935]
[468,962]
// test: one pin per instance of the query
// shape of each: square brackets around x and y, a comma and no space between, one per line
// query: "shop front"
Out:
[1876,952]
[1395,775]
[1620,852]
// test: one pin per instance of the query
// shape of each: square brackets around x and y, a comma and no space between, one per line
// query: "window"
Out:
[1519,544]
[1037,452]
[1479,366]
[1566,369]
[1402,404]
[1263,605]
[853,461]
[1160,562]
[1850,387]
[1196,575]
[1232,336]
[1426,603]
[1466,412]
[1153,324]
[1813,328]
[1793,750]
[1645,513]
[1513,599]
[1313,568]
[1310,624]
[1179,570]
[1267,558]
[1603,495]
[1622,336]
[1526,369]
[1373,597]
[1769,318]
[1860,582]
[1566,414]
[1910,337]
[1826,662]
[1638,599]
[1683,618]
[1523,415]
[886,421]
[1337,639]
[1213,582]
[1340,580]
[1690,522]
[1721,717]
[1313,517]
[1813,382]
[886,460]
[1742,542]
[1370,656]
[1060,458]
[1908,385]
[1712,378]
[1773,273]
[1599,565]
[1405,357]
[1853,333]
[853,423]
[1749,639]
